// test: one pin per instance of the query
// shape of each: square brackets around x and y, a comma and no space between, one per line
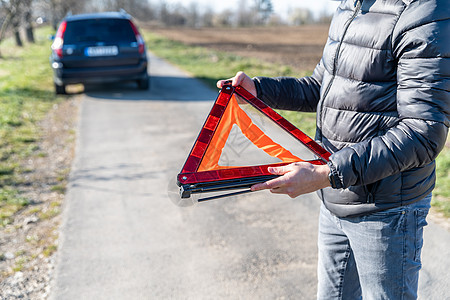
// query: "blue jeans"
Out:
[371,257]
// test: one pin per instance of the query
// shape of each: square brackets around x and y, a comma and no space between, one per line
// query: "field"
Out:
[213,54]
[298,47]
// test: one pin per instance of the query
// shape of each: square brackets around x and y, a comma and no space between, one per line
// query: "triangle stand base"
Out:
[224,185]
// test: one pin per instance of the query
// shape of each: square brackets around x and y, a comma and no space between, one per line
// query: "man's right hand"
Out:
[241,79]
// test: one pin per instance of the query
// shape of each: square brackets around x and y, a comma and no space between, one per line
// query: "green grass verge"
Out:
[441,199]
[26,94]
[211,65]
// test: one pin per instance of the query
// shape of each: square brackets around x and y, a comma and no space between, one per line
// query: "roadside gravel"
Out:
[28,245]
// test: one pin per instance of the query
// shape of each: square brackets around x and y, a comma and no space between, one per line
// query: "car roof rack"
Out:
[124,12]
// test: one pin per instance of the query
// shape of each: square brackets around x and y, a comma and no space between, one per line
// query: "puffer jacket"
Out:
[381,93]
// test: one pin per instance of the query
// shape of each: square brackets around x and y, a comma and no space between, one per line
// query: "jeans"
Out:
[376,256]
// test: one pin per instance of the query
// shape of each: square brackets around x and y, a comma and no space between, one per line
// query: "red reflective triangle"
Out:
[202,164]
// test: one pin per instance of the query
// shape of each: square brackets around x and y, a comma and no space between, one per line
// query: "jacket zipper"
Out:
[336,56]
[369,198]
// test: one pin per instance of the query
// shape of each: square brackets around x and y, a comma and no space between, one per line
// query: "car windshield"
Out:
[99,30]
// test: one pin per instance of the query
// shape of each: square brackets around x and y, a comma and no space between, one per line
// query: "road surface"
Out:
[122,238]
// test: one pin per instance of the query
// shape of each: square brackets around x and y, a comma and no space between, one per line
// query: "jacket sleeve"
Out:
[289,93]
[421,47]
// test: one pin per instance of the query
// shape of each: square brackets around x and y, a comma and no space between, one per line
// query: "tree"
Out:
[163,12]
[177,16]
[325,17]
[6,20]
[28,18]
[58,9]
[264,9]
[192,15]
[223,19]
[245,16]
[207,19]
[300,16]
[12,10]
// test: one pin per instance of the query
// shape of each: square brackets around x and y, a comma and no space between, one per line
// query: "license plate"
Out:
[102,51]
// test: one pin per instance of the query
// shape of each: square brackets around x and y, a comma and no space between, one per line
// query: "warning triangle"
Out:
[240,139]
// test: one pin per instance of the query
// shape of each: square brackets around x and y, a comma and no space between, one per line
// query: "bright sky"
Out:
[281,7]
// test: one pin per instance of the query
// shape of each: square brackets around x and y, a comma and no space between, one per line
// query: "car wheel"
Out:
[144,83]
[60,89]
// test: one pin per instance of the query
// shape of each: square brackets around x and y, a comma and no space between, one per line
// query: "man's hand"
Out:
[297,179]
[241,79]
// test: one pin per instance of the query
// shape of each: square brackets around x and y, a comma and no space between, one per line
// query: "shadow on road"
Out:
[162,88]
[96,178]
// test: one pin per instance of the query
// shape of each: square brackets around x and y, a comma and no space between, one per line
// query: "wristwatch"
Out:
[333,177]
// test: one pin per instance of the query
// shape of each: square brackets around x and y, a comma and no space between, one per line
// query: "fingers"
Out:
[239,79]
[268,185]
[274,184]
[221,83]
[296,179]
[280,170]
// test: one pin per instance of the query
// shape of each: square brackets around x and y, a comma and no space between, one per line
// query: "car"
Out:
[98,48]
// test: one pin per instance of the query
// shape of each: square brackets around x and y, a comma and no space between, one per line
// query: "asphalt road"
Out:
[122,238]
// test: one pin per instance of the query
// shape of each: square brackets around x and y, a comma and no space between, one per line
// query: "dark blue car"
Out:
[98,48]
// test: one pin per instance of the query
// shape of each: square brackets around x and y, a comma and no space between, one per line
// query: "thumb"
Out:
[221,83]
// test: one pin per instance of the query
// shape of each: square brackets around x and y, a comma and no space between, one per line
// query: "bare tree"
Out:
[223,19]
[57,9]
[324,17]
[192,15]
[140,9]
[264,9]
[207,18]
[143,10]
[244,14]
[275,20]
[28,18]
[6,20]
[300,16]
[12,9]
[177,16]
[163,12]
[174,15]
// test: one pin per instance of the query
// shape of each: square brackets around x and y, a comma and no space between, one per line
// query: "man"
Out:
[381,93]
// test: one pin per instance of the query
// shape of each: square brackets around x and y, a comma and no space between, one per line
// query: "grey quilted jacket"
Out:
[381,93]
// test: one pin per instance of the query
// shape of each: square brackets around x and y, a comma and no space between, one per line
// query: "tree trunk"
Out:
[15,22]
[30,34]
[29,27]
[17,37]
[54,17]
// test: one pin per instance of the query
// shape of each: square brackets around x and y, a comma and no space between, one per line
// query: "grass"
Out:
[26,94]
[51,211]
[48,251]
[211,65]
[441,199]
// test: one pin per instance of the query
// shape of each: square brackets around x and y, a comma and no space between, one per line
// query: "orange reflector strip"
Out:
[235,115]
